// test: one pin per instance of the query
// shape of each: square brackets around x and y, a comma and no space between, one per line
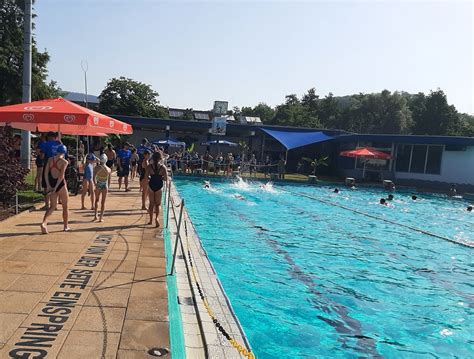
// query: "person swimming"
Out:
[383,201]
[239,196]
[390,197]
[469,208]
[414,197]
[336,190]
[207,185]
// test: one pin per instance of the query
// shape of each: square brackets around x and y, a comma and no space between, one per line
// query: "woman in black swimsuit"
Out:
[55,170]
[157,175]
[144,180]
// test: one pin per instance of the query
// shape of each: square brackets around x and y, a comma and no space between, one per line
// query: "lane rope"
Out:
[235,343]
[467,244]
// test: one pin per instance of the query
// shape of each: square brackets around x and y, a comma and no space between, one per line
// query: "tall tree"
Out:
[262,110]
[11,58]
[122,96]
[436,116]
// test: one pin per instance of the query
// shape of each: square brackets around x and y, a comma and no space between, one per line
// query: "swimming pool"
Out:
[312,280]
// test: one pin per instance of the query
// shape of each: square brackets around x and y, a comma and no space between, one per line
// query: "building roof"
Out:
[80,97]
[410,139]
[339,135]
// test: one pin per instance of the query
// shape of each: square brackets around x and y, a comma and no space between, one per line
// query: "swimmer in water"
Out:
[239,196]
[390,197]
[336,190]
[469,208]
[414,197]
[383,201]
[207,184]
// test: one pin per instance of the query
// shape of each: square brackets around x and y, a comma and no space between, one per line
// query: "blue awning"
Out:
[292,140]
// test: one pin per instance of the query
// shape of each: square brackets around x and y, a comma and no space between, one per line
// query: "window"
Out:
[433,163]
[418,158]
[403,158]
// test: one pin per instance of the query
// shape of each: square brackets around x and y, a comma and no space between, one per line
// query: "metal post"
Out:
[25,135]
[16,203]
[168,206]
[178,237]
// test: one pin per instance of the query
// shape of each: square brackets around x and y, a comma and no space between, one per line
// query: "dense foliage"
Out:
[11,58]
[122,96]
[385,112]
[12,174]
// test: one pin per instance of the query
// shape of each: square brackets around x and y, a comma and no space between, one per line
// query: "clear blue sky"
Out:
[246,52]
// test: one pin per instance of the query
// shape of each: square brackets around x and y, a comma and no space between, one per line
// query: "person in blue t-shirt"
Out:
[49,148]
[123,165]
[145,146]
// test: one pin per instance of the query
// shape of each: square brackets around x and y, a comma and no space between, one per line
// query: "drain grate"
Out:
[186,300]
[158,352]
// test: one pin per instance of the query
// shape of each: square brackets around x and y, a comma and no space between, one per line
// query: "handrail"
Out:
[178,236]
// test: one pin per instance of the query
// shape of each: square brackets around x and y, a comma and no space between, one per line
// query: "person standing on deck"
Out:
[281,168]
[87,181]
[49,148]
[111,158]
[54,173]
[158,175]
[101,180]
[123,165]
[143,179]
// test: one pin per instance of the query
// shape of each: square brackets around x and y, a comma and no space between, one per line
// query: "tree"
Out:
[11,59]
[122,96]
[435,116]
[329,112]
[262,110]
[12,174]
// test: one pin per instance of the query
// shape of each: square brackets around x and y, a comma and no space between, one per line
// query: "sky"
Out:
[247,52]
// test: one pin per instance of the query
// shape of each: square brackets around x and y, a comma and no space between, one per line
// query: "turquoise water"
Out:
[311,280]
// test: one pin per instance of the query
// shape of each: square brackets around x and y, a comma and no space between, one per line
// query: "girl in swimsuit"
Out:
[133,164]
[87,181]
[101,179]
[157,175]
[143,178]
[56,185]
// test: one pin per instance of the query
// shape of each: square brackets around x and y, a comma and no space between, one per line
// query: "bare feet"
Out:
[157,224]
[151,222]
[67,229]
[95,219]
[127,190]
[44,229]
[144,208]
[83,207]
[101,220]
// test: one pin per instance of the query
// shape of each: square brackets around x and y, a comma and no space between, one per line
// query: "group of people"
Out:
[149,163]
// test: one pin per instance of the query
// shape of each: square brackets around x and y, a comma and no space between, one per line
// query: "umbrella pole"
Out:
[77,151]
[363,171]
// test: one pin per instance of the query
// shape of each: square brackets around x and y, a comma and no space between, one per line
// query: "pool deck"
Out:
[97,291]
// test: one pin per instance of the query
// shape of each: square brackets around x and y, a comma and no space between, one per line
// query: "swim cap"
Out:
[103,158]
[91,157]
[61,149]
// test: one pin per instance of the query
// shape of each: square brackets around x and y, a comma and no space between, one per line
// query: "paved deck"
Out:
[98,291]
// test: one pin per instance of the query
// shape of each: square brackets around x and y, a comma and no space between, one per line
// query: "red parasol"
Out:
[60,115]
[366,152]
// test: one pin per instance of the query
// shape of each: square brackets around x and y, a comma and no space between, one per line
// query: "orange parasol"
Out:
[60,115]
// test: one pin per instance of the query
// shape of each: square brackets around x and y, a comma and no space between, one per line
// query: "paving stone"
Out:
[18,302]
[9,322]
[84,344]
[142,335]
[33,283]
[90,319]
[110,297]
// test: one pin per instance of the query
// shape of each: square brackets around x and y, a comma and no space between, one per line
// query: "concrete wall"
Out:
[456,167]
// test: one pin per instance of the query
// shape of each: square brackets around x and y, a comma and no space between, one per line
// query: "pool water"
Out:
[312,280]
